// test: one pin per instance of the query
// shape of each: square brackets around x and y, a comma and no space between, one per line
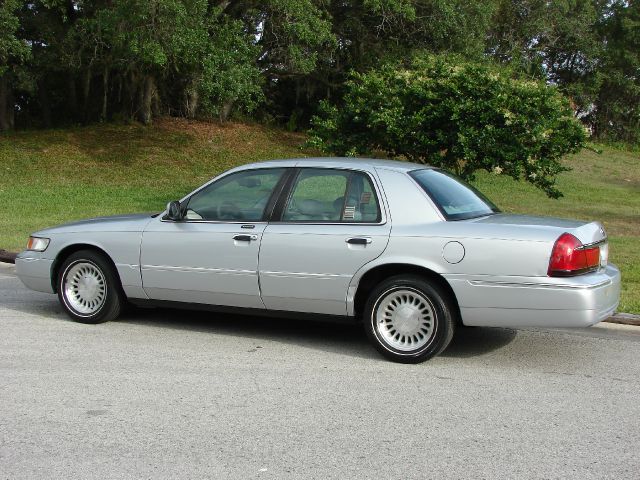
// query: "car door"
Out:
[330,224]
[211,256]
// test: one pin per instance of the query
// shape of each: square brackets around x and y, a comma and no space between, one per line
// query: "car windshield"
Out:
[456,199]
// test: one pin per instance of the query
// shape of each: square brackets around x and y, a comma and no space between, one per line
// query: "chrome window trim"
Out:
[328,223]
[261,222]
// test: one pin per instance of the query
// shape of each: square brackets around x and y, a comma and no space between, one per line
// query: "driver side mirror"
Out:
[174,211]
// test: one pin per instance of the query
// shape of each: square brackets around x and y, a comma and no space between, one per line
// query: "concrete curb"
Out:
[624,319]
[620,318]
[7,257]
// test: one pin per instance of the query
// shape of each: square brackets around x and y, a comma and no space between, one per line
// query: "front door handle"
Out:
[358,241]
[245,238]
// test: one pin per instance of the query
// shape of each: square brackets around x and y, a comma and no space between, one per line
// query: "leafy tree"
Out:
[227,73]
[454,114]
[616,110]
[67,61]
[557,41]
[13,54]
[165,55]
[152,38]
[370,32]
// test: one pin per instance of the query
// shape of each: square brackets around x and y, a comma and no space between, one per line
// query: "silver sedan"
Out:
[408,250]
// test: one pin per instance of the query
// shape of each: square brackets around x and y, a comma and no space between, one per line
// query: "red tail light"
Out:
[570,257]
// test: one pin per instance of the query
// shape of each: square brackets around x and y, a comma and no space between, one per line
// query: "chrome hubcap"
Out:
[405,319]
[85,288]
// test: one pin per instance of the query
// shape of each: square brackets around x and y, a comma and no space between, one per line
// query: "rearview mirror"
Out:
[174,211]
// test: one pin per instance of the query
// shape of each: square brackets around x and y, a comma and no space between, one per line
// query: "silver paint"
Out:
[501,280]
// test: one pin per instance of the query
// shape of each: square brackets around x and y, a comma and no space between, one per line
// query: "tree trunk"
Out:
[45,104]
[73,96]
[86,89]
[105,94]
[192,99]
[132,98]
[6,118]
[148,90]
[155,104]
[225,110]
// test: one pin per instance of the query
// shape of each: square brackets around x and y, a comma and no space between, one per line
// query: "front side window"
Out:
[326,195]
[455,199]
[241,196]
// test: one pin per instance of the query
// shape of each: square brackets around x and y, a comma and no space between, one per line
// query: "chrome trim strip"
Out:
[303,275]
[329,223]
[222,271]
[218,222]
[488,283]
[593,244]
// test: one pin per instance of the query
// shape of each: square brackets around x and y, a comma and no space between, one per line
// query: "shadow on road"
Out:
[474,341]
[347,339]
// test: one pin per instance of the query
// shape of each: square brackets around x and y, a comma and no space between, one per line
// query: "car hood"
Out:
[116,223]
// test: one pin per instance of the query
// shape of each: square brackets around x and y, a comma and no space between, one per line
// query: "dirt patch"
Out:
[7,257]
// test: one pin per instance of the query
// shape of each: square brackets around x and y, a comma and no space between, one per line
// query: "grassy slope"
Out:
[53,176]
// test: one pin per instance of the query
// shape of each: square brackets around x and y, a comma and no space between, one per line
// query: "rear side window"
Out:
[328,195]
[456,199]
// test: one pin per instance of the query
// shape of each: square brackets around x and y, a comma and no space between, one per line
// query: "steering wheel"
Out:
[228,210]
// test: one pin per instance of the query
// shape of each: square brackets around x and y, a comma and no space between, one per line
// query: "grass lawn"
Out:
[53,176]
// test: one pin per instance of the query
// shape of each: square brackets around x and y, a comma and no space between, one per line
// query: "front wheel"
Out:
[408,319]
[88,288]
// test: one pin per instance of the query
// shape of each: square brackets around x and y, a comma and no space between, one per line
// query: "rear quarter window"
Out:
[456,199]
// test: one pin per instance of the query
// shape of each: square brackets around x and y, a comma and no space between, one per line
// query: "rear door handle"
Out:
[358,241]
[245,238]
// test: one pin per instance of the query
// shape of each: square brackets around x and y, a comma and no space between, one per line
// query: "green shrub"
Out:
[457,115]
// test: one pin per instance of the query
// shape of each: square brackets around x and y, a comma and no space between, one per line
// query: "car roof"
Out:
[343,162]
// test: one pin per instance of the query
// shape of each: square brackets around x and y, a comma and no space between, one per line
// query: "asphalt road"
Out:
[176,394]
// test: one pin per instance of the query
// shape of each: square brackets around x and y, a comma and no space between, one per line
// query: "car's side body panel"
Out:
[34,271]
[407,204]
[309,267]
[537,302]
[119,237]
[306,266]
[201,262]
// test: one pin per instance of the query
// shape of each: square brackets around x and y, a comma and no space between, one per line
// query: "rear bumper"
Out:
[538,302]
[34,271]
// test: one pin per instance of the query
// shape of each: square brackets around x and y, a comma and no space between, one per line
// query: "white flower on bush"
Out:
[497,170]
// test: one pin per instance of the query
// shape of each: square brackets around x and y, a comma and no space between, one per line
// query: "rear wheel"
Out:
[88,288]
[408,319]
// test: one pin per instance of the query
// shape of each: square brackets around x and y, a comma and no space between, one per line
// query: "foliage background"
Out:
[457,115]
[80,61]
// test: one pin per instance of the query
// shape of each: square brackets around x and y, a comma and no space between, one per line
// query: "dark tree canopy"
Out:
[78,61]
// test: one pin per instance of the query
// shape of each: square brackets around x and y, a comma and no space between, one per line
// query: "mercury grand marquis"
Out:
[408,250]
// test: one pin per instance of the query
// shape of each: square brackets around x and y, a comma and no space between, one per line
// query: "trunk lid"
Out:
[589,233]
[586,232]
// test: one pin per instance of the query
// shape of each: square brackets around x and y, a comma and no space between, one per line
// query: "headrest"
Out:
[309,207]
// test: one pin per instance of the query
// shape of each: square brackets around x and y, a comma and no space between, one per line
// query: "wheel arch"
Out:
[375,275]
[71,249]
